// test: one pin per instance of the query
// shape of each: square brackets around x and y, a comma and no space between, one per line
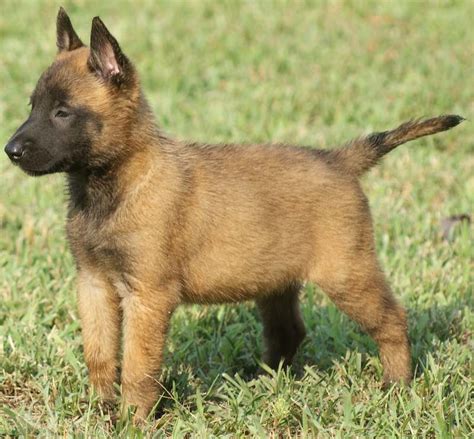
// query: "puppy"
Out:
[154,223]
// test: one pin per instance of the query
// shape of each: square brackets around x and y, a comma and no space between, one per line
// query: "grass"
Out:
[313,73]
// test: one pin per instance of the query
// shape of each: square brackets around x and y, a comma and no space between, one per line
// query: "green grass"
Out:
[313,73]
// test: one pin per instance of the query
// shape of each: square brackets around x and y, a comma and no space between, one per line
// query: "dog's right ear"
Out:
[66,37]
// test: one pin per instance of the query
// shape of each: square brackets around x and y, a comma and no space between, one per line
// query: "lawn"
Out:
[303,72]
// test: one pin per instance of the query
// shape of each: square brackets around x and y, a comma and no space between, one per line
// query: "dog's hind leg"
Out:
[348,271]
[283,328]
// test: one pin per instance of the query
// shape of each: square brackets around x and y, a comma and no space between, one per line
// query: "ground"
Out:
[310,73]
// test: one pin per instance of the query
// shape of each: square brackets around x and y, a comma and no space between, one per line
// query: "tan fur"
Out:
[207,224]
[100,315]
[154,223]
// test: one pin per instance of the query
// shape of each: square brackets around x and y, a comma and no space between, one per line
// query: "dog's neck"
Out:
[99,189]
[93,190]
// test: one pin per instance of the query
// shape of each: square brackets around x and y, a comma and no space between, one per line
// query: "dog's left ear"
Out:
[66,37]
[106,58]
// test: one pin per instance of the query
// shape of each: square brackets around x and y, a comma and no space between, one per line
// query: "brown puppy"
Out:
[154,223]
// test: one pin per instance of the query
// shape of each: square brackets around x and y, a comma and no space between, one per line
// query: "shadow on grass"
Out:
[208,345]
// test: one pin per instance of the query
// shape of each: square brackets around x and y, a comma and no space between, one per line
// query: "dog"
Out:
[154,222]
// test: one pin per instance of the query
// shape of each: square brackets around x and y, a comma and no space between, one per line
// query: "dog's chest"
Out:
[100,242]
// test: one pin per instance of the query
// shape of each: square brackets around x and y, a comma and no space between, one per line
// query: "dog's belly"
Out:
[229,273]
[246,246]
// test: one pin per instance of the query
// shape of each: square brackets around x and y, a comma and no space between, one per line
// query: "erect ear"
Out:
[106,58]
[66,37]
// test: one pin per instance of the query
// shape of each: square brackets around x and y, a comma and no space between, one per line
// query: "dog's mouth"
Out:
[34,172]
[38,171]
[49,168]
[31,170]
[35,165]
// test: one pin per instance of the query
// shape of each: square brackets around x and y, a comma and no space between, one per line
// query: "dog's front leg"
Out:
[99,309]
[146,317]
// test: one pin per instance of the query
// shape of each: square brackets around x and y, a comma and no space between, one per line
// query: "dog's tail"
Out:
[359,155]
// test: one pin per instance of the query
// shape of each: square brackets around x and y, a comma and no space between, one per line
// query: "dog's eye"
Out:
[61,113]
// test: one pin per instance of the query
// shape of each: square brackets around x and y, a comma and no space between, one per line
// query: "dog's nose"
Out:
[15,150]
